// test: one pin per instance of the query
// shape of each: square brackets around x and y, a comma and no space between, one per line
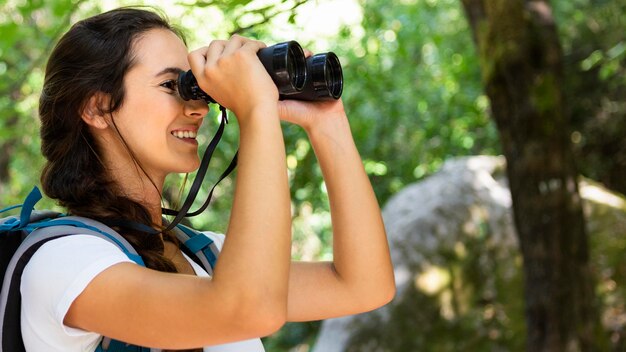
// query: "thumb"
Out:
[293,111]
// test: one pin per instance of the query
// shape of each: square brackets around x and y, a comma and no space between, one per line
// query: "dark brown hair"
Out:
[93,57]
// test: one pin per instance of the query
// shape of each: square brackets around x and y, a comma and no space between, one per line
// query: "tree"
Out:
[594,43]
[522,72]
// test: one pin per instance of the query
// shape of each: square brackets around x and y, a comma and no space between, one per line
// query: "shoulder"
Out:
[57,273]
[69,261]
[75,249]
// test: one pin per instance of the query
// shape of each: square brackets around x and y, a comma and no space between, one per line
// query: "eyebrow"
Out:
[167,70]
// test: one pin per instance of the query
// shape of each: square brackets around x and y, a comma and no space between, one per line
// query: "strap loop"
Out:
[33,197]
[198,243]
[197,182]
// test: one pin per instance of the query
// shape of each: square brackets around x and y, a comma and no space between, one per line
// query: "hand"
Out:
[310,115]
[231,73]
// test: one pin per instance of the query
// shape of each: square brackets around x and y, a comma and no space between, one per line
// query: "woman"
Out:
[113,126]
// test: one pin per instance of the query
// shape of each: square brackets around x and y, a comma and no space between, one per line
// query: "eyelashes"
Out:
[171,85]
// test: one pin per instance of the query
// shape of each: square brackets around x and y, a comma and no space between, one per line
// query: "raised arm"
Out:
[253,266]
[360,278]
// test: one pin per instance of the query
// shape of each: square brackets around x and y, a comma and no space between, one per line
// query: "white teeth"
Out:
[184,134]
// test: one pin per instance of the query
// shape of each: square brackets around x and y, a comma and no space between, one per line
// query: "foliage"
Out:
[419,99]
[594,43]
[28,31]
[606,224]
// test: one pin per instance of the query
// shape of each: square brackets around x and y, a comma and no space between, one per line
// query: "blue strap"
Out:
[199,242]
[10,208]
[27,208]
[118,346]
[134,257]
[29,204]
[33,197]
[10,224]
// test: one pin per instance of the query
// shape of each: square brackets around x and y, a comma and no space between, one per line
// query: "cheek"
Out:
[149,115]
[146,117]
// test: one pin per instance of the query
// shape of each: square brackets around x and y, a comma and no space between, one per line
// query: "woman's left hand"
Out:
[311,115]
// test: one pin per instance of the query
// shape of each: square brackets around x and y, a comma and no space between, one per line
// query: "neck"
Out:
[142,185]
[137,186]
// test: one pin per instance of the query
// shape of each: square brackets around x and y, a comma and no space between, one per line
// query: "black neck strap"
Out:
[127,224]
[197,182]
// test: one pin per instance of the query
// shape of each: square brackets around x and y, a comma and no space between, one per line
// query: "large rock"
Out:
[458,269]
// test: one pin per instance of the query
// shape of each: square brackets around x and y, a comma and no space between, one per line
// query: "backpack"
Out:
[21,236]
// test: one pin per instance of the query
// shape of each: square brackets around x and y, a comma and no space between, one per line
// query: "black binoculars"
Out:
[318,77]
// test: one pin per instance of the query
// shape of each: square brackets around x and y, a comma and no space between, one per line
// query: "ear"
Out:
[93,111]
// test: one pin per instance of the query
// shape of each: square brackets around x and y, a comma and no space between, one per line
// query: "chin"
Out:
[190,167]
[187,167]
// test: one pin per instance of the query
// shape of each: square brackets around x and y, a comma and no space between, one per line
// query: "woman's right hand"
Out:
[232,74]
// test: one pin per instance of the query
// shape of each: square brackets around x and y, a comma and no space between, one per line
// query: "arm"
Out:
[360,278]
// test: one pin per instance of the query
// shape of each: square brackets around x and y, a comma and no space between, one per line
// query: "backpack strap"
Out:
[27,215]
[203,249]
[71,225]
[110,345]
[40,233]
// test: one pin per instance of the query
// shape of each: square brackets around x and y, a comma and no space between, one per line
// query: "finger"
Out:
[247,44]
[258,43]
[235,42]
[215,50]
[197,59]
[253,46]
[307,52]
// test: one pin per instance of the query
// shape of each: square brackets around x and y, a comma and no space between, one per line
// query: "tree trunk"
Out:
[522,71]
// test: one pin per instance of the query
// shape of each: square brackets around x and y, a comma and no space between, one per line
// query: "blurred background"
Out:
[445,100]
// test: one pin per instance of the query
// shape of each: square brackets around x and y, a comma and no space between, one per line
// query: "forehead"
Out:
[157,49]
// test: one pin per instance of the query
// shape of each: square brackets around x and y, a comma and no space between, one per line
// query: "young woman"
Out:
[113,126]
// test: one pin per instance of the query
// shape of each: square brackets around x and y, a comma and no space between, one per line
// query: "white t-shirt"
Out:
[58,272]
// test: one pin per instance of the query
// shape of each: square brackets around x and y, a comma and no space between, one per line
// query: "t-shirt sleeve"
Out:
[57,273]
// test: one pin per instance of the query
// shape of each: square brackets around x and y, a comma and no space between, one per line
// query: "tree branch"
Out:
[265,17]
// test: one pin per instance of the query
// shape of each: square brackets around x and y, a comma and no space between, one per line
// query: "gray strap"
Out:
[45,234]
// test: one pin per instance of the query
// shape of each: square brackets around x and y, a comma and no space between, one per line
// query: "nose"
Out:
[196,109]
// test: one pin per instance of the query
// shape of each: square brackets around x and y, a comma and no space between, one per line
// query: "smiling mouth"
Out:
[184,134]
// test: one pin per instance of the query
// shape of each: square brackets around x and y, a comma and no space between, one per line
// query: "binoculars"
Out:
[318,77]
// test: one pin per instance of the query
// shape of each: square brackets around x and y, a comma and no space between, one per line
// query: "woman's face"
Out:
[156,124]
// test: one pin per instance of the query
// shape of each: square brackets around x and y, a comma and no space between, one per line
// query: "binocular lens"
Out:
[324,80]
[317,78]
[333,75]
[296,68]
[286,65]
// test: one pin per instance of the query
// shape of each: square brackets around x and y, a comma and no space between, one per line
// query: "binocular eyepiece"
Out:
[318,77]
